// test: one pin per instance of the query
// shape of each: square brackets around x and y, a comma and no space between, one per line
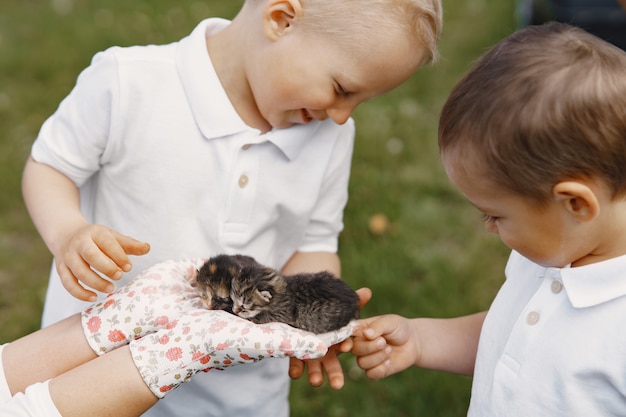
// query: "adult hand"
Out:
[202,339]
[153,300]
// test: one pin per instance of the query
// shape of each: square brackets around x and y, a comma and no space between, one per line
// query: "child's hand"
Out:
[385,345]
[100,248]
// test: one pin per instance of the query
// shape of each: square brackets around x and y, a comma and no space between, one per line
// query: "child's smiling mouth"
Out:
[307,116]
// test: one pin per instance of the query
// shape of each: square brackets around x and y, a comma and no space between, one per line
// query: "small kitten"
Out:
[238,284]
[315,302]
[213,280]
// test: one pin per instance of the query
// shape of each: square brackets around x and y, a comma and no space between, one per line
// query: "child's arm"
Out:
[385,345]
[313,262]
[53,202]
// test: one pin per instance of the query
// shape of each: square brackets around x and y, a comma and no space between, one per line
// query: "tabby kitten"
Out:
[213,281]
[315,302]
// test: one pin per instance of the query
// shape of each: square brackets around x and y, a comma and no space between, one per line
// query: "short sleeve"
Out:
[75,137]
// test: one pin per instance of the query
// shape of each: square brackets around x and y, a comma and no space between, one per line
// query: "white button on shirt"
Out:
[532,318]
[243,180]
[556,286]
[554,343]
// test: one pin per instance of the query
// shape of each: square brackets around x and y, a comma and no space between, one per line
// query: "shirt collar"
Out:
[212,110]
[595,283]
[292,140]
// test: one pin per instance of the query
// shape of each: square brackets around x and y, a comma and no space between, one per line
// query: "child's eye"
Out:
[489,219]
[340,91]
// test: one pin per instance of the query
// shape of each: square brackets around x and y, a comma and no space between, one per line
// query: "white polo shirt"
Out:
[160,154]
[554,343]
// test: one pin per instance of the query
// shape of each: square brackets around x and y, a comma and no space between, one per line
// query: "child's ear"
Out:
[279,17]
[578,199]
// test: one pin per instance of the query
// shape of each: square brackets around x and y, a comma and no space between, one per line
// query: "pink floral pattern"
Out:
[204,339]
[116,335]
[172,335]
[153,300]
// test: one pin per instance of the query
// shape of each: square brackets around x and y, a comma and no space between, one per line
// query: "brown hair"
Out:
[546,104]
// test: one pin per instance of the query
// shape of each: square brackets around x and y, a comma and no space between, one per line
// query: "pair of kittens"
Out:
[315,302]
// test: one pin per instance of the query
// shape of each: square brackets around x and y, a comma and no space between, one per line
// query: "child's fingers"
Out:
[380,371]
[115,260]
[370,328]
[116,248]
[132,246]
[82,270]
[376,364]
[364,347]
[101,257]
[374,327]
[374,359]
[72,285]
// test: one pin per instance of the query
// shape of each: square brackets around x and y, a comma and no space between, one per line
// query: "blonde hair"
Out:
[544,105]
[355,20]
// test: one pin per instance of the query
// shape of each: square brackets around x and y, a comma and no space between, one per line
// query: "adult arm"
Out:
[100,364]
[80,381]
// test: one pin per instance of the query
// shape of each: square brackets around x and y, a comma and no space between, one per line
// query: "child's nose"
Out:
[341,114]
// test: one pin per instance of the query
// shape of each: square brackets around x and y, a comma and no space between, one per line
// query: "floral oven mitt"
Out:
[172,336]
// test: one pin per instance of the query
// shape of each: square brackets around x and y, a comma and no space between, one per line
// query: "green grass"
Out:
[435,260]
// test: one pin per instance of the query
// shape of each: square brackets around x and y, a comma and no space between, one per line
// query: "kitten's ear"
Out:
[274,277]
[244,272]
[265,296]
[233,271]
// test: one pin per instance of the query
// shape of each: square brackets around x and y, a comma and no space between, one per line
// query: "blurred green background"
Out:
[433,259]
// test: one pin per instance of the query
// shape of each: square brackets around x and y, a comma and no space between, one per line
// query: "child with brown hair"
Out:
[534,136]
[236,139]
